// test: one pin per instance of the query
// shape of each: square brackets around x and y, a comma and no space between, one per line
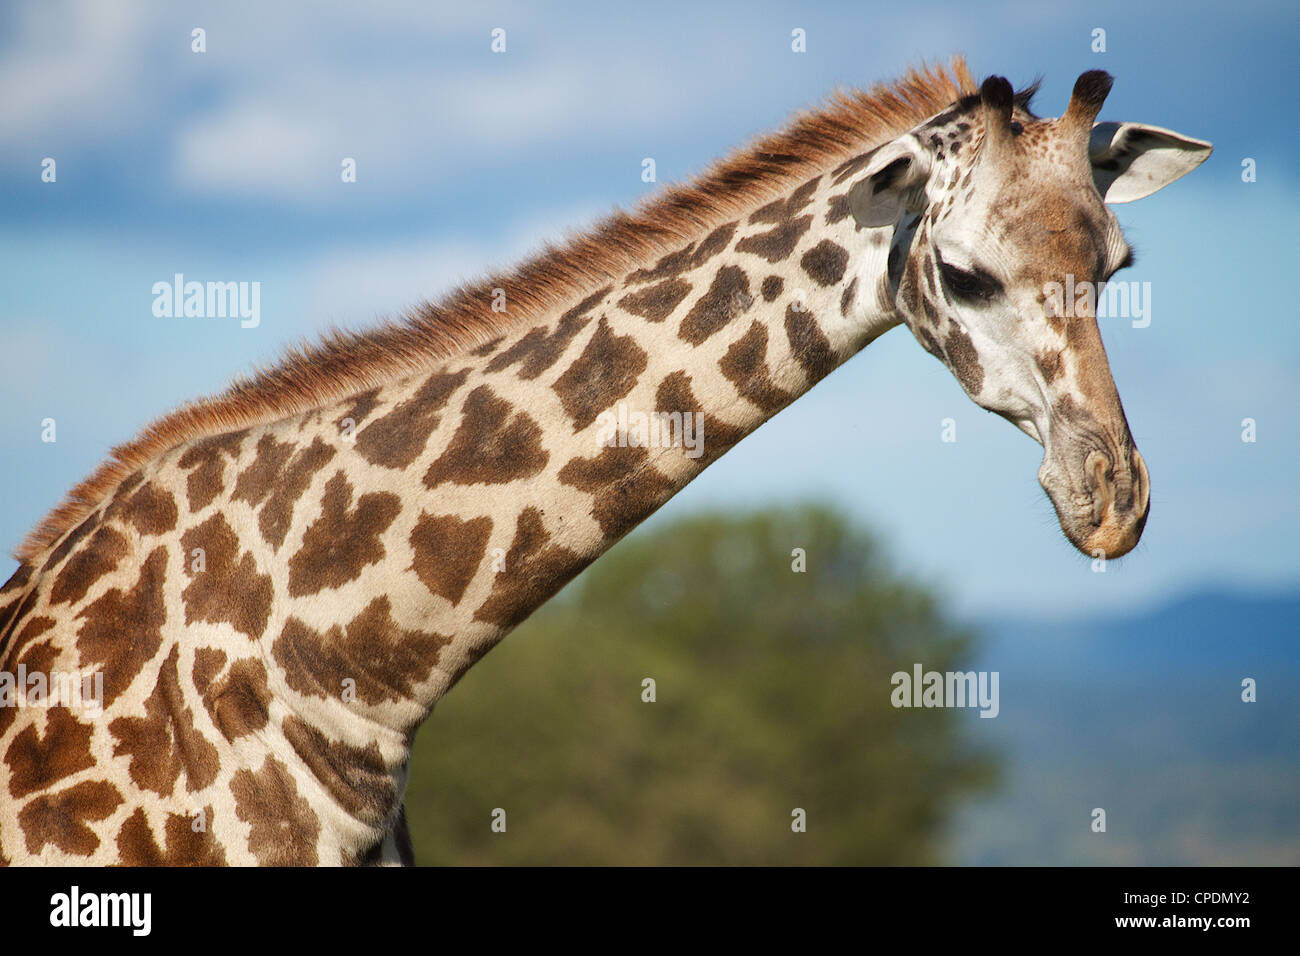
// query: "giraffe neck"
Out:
[532,456]
[316,584]
[522,462]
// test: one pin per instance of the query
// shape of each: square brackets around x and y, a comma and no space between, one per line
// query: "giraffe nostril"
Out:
[1096,469]
[1118,500]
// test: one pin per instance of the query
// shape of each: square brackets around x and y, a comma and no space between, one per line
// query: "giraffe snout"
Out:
[1120,501]
[1102,506]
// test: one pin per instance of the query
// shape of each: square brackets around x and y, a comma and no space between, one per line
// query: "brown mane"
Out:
[345,363]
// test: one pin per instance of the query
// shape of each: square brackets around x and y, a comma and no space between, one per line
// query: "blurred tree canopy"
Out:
[772,693]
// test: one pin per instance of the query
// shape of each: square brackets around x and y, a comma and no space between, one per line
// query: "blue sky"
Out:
[225,165]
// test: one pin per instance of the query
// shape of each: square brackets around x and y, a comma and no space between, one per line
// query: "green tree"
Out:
[772,693]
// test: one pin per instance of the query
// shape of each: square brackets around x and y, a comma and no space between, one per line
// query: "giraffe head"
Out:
[995,214]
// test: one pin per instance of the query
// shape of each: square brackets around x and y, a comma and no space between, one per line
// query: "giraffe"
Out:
[274,586]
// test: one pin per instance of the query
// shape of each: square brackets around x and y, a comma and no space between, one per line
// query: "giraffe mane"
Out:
[345,363]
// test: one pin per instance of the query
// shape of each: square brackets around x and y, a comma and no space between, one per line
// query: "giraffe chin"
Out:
[1113,540]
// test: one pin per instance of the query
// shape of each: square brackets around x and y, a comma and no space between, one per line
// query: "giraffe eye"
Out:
[975,287]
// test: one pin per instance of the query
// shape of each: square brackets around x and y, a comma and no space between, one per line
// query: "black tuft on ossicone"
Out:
[1092,88]
[996,93]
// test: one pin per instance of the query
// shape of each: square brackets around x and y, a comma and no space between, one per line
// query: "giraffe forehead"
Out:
[1038,233]
[1065,236]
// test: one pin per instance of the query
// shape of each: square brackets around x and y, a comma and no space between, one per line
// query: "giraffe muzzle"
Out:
[1103,511]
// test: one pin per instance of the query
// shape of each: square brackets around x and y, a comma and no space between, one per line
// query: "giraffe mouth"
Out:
[1102,508]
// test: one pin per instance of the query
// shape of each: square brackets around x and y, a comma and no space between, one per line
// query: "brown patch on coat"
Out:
[541,348]
[356,777]
[122,629]
[63,818]
[164,743]
[360,409]
[625,486]
[714,244]
[1050,363]
[825,262]
[771,288]
[276,515]
[745,365]
[36,762]
[256,482]
[534,570]
[719,437]
[36,657]
[782,210]
[27,602]
[104,552]
[909,287]
[283,828]
[207,457]
[809,344]
[929,312]
[447,552]
[131,481]
[70,542]
[11,654]
[385,660]
[776,244]
[668,266]
[136,845]
[488,347]
[927,269]
[686,257]
[208,662]
[229,589]
[238,703]
[12,589]
[838,209]
[148,509]
[655,303]
[397,439]
[343,540]
[964,360]
[491,446]
[588,303]
[728,297]
[607,370]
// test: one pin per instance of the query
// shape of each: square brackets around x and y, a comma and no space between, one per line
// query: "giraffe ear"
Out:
[892,182]
[1133,160]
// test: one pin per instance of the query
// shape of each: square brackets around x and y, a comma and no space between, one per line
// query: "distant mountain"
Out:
[1143,716]
[1207,635]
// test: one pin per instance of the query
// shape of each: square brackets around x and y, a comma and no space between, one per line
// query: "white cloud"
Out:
[404,125]
[259,149]
[73,64]
[410,90]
